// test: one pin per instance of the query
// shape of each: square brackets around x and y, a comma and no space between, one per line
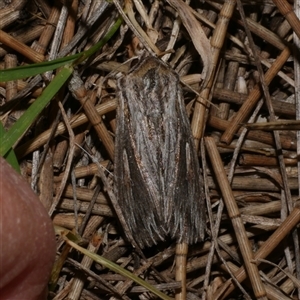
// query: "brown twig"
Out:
[237,223]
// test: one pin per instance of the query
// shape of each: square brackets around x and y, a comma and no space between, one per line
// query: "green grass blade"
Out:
[34,69]
[19,128]
[101,43]
[39,68]
[10,156]
[115,268]
[10,138]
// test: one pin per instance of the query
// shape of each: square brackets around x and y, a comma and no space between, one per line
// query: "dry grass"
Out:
[239,66]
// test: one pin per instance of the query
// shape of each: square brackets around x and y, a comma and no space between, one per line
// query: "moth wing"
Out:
[189,201]
[136,205]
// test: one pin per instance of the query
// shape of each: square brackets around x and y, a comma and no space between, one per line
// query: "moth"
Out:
[158,183]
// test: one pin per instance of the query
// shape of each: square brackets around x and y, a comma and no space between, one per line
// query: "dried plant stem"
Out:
[122,287]
[98,209]
[76,121]
[45,37]
[217,40]
[262,160]
[273,241]
[11,86]
[79,280]
[280,107]
[272,292]
[13,43]
[58,34]
[83,171]
[86,24]
[109,286]
[275,125]
[128,16]
[253,97]
[234,214]
[287,10]
[257,29]
[70,25]
[26,37]
[255,135]
[68,165]
[180,275]
[80,93]
[200,41]
[287,204]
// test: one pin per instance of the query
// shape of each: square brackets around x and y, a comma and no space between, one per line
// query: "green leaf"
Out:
[11,137]
[10,156]
[34,69]
[40,68]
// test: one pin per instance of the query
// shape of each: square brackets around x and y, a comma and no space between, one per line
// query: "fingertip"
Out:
[27,239]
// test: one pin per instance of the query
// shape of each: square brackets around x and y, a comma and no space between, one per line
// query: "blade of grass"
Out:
[101,43]
[10,156]
[34,69]
[115,268]
[39,68]
[10,138]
